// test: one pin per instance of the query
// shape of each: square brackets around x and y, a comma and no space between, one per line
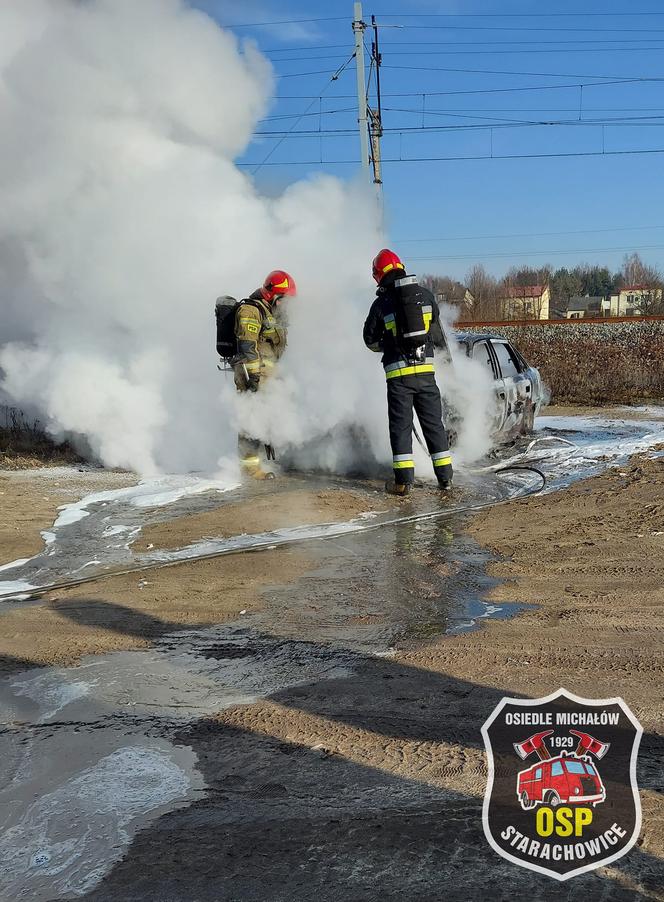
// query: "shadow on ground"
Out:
[342,789]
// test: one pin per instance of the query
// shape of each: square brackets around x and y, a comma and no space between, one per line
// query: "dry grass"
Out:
[25,445]
[591,371]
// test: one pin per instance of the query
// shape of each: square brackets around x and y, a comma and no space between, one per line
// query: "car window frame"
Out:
[511,353]
[492,356]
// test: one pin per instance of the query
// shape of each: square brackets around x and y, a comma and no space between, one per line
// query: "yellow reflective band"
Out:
[283,284]
[391,327]
[250,461]
[443,462]
[418,369]
[403,465]
[427,320]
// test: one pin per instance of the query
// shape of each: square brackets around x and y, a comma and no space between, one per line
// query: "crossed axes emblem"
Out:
[535,743]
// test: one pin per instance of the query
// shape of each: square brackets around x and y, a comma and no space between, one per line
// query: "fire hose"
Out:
[270,542]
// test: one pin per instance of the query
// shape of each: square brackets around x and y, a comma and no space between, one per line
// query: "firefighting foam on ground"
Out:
[219,685]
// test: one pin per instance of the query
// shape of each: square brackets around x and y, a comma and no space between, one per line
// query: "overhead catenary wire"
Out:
[503,15]
[478,121]
[512,90]
[284,22]
[529,234]
[334,77]
[618,42]
[468,159]
[616,78]
[490,123]
[542,253]
[538,28]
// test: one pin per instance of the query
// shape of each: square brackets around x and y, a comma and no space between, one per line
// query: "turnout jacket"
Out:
[261,340]
[380,332]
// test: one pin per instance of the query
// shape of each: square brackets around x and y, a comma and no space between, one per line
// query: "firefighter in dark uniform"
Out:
[404,325]
[261,340]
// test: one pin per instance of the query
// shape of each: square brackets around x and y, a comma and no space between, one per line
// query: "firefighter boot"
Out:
[398,489]
[445,485]
[252,467]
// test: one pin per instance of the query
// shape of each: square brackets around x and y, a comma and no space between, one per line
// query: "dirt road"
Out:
[352,774]
[370,787]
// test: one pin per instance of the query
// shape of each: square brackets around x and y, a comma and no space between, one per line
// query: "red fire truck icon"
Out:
[569,778]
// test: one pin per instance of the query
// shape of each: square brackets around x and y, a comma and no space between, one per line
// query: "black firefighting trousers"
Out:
[419,393]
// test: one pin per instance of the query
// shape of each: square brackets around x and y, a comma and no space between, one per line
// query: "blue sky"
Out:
[445,215]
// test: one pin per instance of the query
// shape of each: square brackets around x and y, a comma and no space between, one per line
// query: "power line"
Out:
[619,81]
[446,53]
[513,15]
[322,47]
[513,52]
[531,234]
[546,253]
[537,28]
[502,43]
[469,159]
[492,123]
[335,76]
[437,129]
[348,109]
[502,121]
[284,22]
[301,74]
[617,78]
[539,109]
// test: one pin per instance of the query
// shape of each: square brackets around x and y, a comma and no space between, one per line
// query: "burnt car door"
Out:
[516,384]
[482,353]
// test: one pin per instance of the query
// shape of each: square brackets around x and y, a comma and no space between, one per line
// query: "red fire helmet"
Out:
[384,262]
[278,284]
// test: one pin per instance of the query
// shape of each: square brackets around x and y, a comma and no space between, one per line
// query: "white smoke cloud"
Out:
[123,218]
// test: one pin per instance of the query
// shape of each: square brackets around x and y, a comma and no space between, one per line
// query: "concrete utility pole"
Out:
[358,29]
[376,118]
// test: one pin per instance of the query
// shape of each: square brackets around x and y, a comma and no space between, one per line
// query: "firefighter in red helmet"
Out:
[404,325]
[261,336]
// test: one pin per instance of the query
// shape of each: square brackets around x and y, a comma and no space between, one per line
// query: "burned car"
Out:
[518,386]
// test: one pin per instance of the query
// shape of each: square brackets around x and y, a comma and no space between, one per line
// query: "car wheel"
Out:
[552,799]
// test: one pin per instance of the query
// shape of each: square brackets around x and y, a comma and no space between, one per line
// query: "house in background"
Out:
[456,294]
[586,307]
[634,300]
[526,302]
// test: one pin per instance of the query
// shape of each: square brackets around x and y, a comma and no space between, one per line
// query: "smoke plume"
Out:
[124,217]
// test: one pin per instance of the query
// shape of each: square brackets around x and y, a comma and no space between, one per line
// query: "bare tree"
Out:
[636,272]
[484,288]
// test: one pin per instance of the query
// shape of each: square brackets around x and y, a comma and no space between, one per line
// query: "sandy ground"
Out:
[370,785]
[131,611]
[127,612]
[625,412]
[264,514]
[30,498]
